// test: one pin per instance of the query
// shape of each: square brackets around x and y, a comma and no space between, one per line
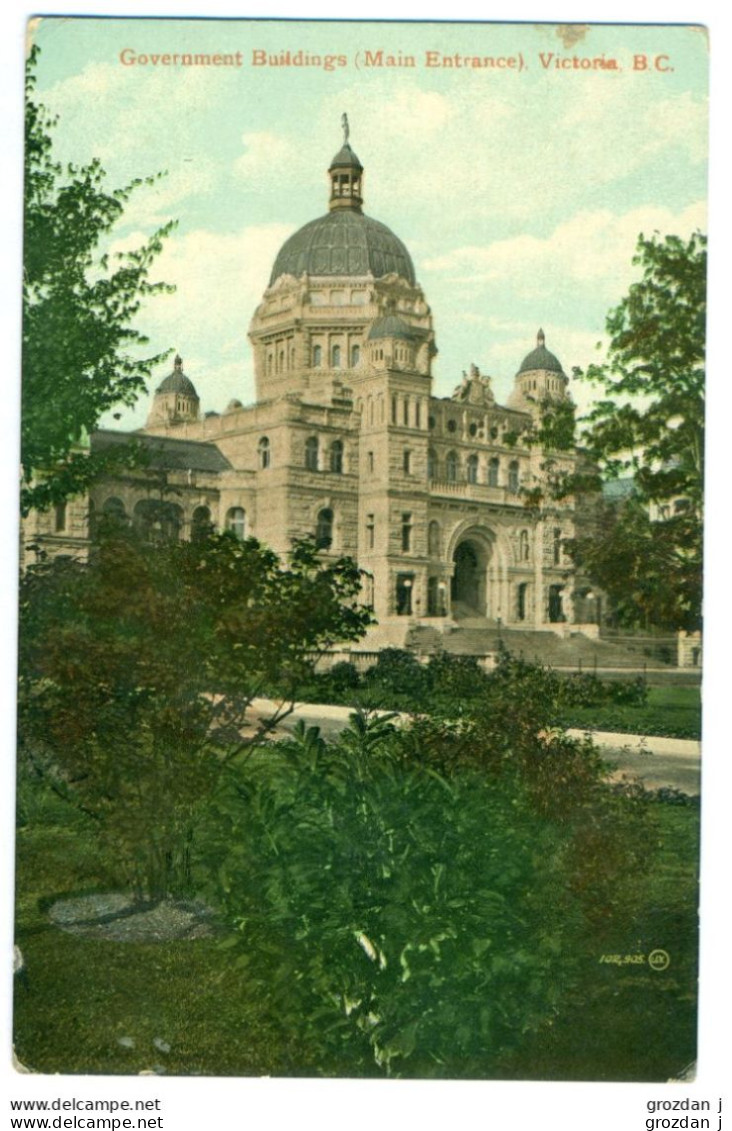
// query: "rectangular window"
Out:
[394,410]
[407,462]
[370,529]
[370,462]
[557,549]
[406,533]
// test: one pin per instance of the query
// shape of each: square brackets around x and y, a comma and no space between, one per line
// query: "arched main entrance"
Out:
[468,589]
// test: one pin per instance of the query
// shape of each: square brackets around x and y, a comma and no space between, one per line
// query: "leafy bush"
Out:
[392,915]
[453,680]
[397,679]
[137,669]
[403,920]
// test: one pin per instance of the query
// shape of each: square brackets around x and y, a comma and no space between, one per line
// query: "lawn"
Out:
[81,996]
[672,711]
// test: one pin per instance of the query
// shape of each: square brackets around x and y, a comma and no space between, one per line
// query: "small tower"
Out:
[540,378]
[176,400]
[345,174]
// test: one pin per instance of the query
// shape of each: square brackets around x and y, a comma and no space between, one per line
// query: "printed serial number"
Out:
[623,959]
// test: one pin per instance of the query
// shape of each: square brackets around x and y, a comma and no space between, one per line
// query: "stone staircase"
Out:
[476,636]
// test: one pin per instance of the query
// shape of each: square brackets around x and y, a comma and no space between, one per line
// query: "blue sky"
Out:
[519,193]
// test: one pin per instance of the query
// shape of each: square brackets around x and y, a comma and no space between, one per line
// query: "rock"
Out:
[161,1045]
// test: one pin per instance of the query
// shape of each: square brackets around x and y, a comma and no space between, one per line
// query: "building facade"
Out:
[347,442]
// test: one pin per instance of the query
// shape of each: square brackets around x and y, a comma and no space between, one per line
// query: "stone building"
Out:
[347,442]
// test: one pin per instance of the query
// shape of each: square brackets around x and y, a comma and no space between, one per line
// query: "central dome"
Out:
[344,243]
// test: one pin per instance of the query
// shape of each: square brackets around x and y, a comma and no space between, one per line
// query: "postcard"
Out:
[361,568]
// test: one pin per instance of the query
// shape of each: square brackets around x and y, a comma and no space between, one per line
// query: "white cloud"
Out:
[591,248]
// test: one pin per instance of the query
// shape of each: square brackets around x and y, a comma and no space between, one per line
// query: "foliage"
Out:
[650,425]
[81,353]
[416,917]
[398,920]
[610,1024]
[398,673]
[138,668]
[651,570]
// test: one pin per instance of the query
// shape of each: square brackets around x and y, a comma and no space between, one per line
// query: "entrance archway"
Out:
[468,587]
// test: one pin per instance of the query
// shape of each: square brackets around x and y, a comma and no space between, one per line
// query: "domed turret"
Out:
[175,399]
[540,378]
[392,343]
[541,358]
[390,326]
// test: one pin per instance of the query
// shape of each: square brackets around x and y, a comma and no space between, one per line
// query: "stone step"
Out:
[545,647]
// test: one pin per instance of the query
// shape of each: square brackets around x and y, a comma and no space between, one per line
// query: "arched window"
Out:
[472,469]
[433,539]
[265,456]
[493,471]
[335,357]
[513,476]
[158,521]
[431,464]
[201,525]
[524,546]
[311,453]
[324,529]
[113,513]
[236,522]
[317,356]
[407,461]
[336,456]
[355,356]
[451,467]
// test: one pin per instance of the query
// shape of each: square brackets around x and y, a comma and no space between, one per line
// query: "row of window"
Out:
[472,470]
[312,455]
[474,428]
[337,356]
[157,520]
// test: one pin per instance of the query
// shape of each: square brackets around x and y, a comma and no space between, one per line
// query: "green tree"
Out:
[81,354]
[138,670]
[649,425]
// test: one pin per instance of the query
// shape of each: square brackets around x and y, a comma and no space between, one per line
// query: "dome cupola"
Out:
[345,174]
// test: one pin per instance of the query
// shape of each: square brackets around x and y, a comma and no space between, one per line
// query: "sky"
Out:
[520,191]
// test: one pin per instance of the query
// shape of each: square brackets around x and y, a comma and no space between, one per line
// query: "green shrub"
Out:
[397,679]
[401,920]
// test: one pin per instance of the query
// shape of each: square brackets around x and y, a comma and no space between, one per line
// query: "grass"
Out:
[671,711]
[633,1023]
[82,995]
